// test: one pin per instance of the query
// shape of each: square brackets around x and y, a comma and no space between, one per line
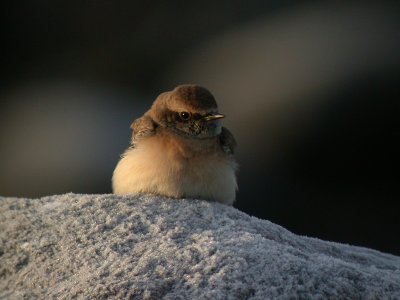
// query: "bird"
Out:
[179,149]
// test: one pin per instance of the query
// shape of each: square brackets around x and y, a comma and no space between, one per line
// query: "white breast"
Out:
[179,168]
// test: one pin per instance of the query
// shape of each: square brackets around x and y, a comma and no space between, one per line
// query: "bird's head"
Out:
[188,110]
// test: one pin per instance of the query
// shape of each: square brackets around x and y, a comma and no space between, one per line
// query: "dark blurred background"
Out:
[310,90]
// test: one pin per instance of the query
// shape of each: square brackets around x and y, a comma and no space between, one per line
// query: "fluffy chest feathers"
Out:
[177,167]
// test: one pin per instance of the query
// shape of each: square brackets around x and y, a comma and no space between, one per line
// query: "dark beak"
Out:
[213,117]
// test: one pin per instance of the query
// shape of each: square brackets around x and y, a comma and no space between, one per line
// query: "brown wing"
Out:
[142,127]
[228,142]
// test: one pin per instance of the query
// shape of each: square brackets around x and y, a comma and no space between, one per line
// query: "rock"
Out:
[150,247]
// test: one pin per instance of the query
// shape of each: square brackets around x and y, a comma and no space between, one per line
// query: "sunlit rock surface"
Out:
[148,247]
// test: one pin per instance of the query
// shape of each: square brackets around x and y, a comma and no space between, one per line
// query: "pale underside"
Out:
[177,167]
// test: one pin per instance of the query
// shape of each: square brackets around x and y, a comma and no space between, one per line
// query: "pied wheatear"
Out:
[179,149]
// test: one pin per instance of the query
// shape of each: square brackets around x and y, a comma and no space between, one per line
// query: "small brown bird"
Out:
[179,149]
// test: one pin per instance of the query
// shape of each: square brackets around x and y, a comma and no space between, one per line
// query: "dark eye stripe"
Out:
[197,116]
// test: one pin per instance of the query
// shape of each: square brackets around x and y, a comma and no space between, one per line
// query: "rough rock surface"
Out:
[148,247]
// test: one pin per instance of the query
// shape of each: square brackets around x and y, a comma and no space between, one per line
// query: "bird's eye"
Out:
[184,115]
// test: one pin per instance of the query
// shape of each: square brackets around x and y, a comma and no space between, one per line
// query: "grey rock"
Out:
[147,247]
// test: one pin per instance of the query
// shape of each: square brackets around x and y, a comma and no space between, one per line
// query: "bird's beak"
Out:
[214,117]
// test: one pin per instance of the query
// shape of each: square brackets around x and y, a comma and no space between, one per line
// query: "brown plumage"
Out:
[179,149]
